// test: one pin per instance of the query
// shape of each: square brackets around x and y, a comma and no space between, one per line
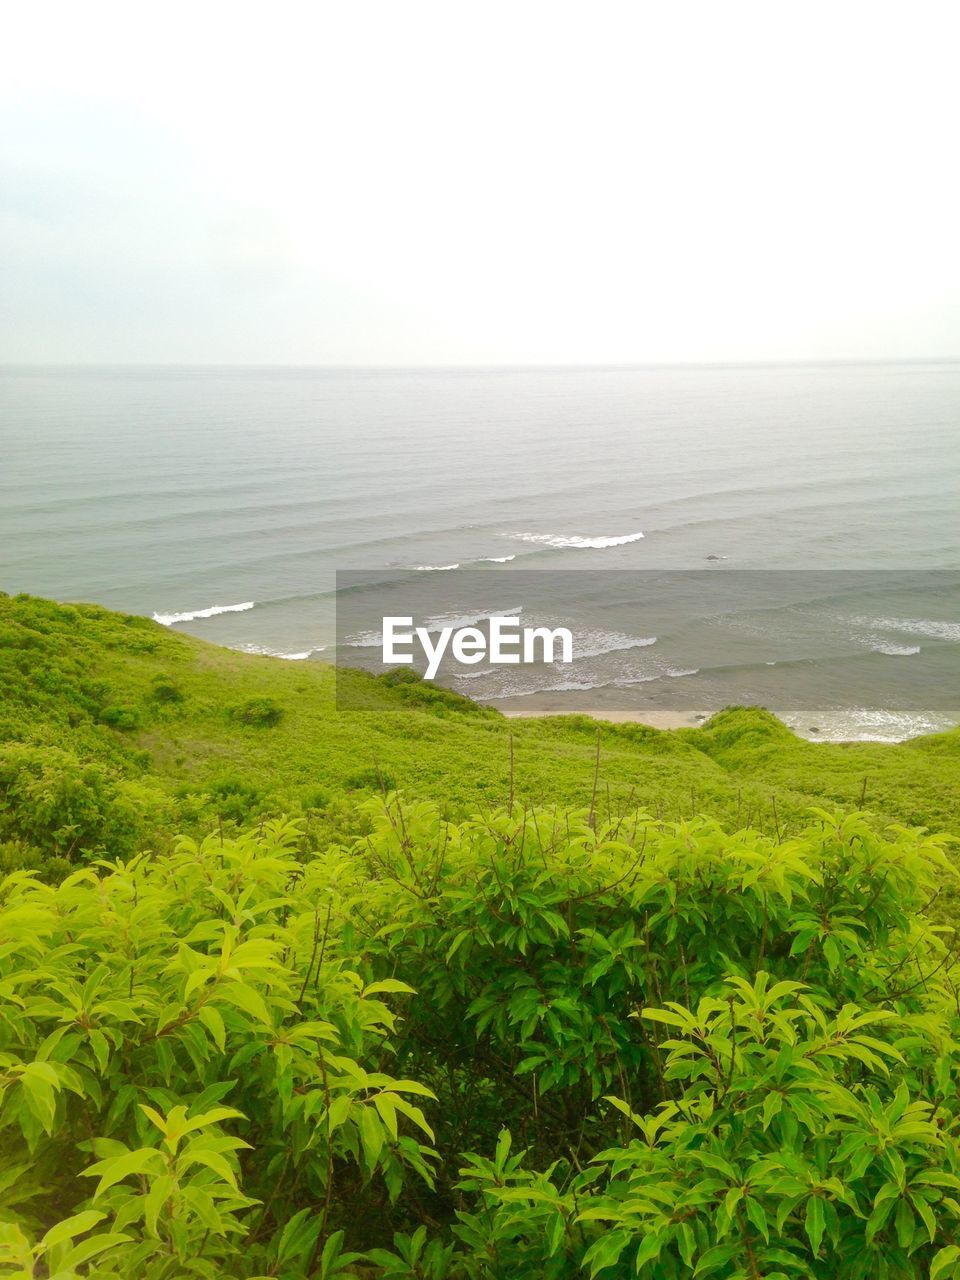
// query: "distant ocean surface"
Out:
[222,501]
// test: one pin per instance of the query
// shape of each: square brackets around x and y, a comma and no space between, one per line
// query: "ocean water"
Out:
[223,501]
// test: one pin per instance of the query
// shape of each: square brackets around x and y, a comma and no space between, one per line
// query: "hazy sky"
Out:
[452,182]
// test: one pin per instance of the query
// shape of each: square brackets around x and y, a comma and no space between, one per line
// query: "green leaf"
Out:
[944,1263]
[606,1251]
[814,1223]
[89,1248]
[245,998]
[157,1196]
[905,1223]
[715,1257]
[70,1227]
[371,1135]
[389,985]
[387,1110]
[198,1154]
[771,1107]
[117,1168]
[213,1021]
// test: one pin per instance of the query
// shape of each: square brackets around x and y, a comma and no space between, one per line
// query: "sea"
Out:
[810,514]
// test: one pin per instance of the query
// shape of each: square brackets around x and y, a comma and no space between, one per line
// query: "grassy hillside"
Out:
[582,1002]
[146,732]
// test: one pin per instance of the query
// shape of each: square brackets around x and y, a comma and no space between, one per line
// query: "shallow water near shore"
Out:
[223,501]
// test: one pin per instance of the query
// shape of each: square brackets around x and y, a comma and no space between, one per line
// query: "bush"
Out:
[261,712]
[235,798]
[164,689]
[666,1051]
[153,1041]
[124,717]
[372,779]
[52,801]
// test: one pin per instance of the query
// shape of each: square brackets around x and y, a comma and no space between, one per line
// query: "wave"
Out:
[897,650]
[867,724]
[364,640]
[170,619]
[374,639]
[263,652]
[577,686]
[933,629]
[561,540]
[496,559]
[468,620]
[435,568]
[511,686]
[561,686]
[607,642]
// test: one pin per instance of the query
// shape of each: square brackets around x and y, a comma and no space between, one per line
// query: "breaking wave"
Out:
[468,620]
[561,540]
[263,652]
[597,643]
[170,619]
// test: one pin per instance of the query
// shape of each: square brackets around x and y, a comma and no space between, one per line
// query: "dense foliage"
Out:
[542,1043]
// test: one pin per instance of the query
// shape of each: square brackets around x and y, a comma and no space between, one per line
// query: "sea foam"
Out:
[594,644]
[457,621]
[561,540]
[933,629]
[170,619]
[263,652]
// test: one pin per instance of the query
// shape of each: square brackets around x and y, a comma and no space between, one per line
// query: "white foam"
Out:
[365,640]
[435,568]
[601,642]
[932,628]
[561,686]
[263,652]
[897,650]
[457,621]
[170,619]
[497,559]
[561,540]
[868,724]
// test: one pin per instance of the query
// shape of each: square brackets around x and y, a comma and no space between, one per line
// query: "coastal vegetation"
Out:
[420,993]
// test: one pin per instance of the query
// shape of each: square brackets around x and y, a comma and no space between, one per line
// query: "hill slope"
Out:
[115,733]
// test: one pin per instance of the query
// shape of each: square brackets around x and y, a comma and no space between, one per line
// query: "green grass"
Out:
[186,734]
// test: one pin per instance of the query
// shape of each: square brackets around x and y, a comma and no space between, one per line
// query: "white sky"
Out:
[448,182]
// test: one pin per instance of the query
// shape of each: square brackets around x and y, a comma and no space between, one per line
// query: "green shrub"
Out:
[123,717]
[156,1044]
[235,798]
[647,1049]
[372,779]
[52,801]
[164,689]
[261,712]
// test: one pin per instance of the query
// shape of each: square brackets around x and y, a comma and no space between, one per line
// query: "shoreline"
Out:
[539,706]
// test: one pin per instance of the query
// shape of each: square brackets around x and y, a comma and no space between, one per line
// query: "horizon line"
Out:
[481,366]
